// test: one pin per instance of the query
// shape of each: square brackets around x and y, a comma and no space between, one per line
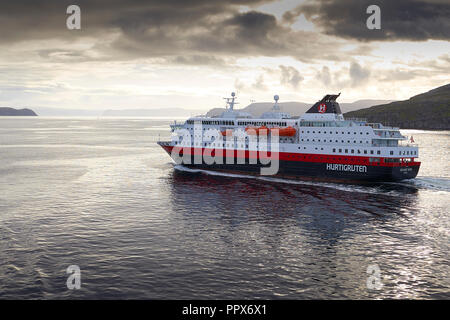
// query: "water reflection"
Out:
[301,240]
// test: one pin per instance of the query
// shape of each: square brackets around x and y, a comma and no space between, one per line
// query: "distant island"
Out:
[429,111]
[16,112]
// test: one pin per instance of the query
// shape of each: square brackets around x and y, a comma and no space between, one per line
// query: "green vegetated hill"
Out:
[429,110]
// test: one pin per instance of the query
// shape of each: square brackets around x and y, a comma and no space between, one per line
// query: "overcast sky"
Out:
[191,53]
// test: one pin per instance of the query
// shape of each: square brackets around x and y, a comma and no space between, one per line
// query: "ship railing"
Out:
[176,126]
[407,144]
[357,119]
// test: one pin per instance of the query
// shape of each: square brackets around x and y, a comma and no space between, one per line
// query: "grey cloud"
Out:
[239,85]
[196,60]
[259,83]
[324,75]
[290,75]
[353,76]
[358,74]
[416,20]
[401,75]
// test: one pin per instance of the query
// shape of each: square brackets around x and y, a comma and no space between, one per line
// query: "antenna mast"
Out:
[230,102]
[276,107]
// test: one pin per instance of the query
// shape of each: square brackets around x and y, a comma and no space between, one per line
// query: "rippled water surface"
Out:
[100,194]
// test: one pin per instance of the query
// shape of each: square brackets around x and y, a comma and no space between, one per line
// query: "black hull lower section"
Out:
[349,170]
[320,171]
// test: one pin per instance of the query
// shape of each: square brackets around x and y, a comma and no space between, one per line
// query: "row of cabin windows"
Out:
[262,123]
[206,144]
[337,132]
[378,152]
[316,148]
[404,153]
[212,122]
[318,140]
[357,151]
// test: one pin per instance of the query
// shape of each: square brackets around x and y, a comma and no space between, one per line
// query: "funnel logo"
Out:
[322,108]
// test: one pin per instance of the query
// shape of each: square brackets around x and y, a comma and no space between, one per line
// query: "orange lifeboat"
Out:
[285,132]
[263,130]
[251,130]
[227,132]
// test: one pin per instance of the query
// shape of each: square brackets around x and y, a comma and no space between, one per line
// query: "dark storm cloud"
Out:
[415,20]
[180,31]
[30,19]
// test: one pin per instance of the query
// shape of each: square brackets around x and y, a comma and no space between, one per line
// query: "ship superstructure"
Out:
[320,144]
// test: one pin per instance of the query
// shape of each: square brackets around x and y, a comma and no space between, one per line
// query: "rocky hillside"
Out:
[16,112]
[429,110]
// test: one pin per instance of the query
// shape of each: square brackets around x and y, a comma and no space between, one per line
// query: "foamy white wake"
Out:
[430,183]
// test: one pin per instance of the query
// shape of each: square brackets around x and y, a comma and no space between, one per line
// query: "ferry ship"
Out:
[321,145]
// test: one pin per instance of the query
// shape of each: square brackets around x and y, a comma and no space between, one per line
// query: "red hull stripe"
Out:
[288,156]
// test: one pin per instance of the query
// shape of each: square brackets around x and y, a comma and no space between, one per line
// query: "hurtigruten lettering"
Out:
[346,167]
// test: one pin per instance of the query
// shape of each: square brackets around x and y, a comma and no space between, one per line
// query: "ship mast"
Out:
[230,102]
[276,107]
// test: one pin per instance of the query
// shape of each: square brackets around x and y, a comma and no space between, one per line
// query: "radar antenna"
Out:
[276,107]
[230,102]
